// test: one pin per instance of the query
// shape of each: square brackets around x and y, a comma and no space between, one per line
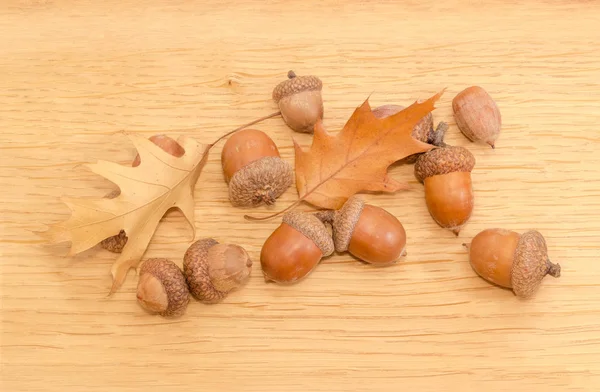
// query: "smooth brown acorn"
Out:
[368,232]
[512,260]
[254,170]
[162,288]
[117,242]
[213,270]
[295,248]
[300,102]
[477,115]
[446,174]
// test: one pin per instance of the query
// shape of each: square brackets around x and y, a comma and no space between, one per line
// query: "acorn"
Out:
[368,232]
[446,174]
[512,260]
[295,248]
[162,288]
[254,170]
[117,242]
[300,102]
[477,115]
[213,270]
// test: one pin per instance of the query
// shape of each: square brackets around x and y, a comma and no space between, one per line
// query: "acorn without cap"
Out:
[477,115]
[295,248]
[512,260]
[368,232]
[253,169]
[117,242]
[300,102]
[162,288]
[213,270]
[446,174]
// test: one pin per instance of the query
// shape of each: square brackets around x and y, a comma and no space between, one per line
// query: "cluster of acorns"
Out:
[256,174]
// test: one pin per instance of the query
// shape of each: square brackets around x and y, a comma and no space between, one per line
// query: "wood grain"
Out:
[75,73]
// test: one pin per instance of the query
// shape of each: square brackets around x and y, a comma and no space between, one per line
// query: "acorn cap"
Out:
[296,84]
[444,160]
[531,264]
[344,222]
[173,283]
[195,270]
[260,181]
[311,227]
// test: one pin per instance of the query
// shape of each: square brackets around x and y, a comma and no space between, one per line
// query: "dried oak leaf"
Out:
[159,183]
[357,158]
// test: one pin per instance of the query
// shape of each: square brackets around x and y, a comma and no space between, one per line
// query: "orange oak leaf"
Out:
[161,181]
[357,158]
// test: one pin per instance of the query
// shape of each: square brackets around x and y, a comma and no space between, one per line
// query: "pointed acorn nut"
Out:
[213,270]
[512,260]
[295,248]
[117,242]
[254,170]
[162,288]
[300,102]
[477,115]
[368,232]
[446,174]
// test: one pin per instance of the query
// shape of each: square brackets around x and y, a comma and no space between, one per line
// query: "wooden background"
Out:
[75,73]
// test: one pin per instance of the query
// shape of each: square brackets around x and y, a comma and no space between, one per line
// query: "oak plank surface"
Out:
[74,74]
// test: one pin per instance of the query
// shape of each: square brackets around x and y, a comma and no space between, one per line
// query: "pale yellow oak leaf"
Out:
[159,183]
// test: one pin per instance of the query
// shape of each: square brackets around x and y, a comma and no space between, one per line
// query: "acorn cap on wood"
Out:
[531,264]
[195,270]
[345,221]
[173,282]
[296,84]
[312,228]
[444,160]
[260,181]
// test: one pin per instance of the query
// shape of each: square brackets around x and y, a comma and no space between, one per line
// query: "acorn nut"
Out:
[117,242]
[162,288]
[300,102]
[213,270]
[295,248]
[446,174]
[368,232]
[512,260]
[477,115]
[253,169]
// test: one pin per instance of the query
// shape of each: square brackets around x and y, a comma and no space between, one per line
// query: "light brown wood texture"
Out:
[73,74]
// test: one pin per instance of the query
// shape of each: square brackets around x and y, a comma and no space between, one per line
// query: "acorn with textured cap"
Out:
[117,242]
[512,260]
[368,232]
[254,170]
[162,288]
[300,102]
[295,248]
[213,270]
[446,174]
